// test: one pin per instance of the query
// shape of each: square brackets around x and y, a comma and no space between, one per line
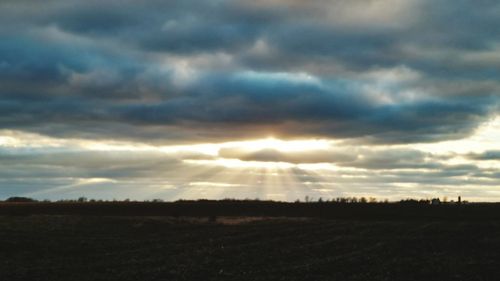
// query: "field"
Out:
[78,247]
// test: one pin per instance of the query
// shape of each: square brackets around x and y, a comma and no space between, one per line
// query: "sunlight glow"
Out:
[281,145]
[484,138]
[218,184]
[236,163]
[202,170]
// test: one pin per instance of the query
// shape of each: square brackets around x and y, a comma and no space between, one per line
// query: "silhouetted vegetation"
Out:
[337,208]
[307,199]
[20,199]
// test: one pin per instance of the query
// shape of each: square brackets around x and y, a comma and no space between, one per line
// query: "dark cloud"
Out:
[273,155]
[386,159]
[395,159]
[214,70]
[487,155]
[85,164]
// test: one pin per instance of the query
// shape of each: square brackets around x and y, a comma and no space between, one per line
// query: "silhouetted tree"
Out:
[20,199]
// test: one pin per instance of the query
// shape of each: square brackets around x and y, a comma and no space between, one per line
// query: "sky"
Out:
[268,99]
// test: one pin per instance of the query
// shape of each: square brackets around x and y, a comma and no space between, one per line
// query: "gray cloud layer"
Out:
[385,71]
[392,173]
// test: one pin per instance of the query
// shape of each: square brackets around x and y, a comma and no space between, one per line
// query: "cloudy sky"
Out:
[269,99]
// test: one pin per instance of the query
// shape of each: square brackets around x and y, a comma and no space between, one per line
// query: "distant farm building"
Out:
[435,201]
